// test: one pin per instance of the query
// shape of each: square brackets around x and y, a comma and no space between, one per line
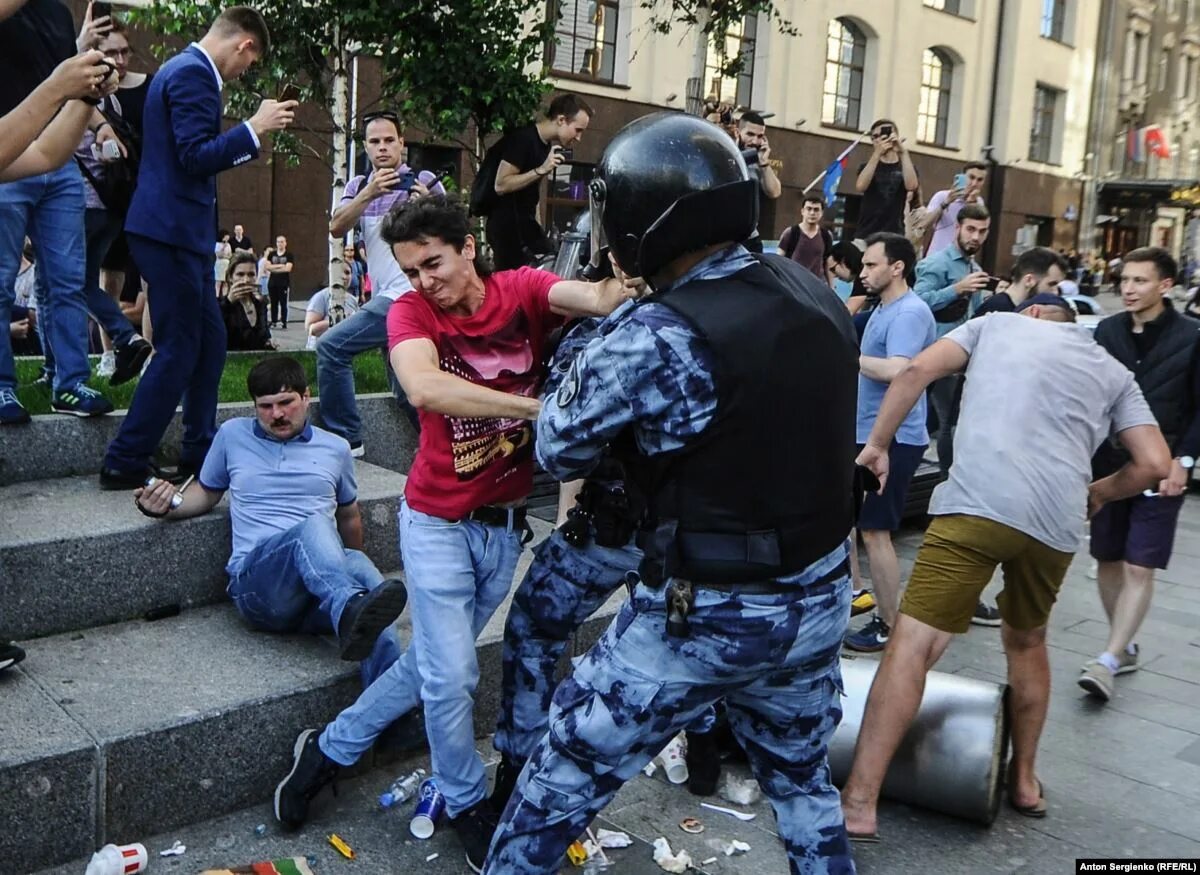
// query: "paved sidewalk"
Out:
[1122,780]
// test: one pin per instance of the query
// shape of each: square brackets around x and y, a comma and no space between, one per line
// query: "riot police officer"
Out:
[574,571]
[728,396]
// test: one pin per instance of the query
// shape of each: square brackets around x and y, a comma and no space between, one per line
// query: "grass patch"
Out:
[369,376]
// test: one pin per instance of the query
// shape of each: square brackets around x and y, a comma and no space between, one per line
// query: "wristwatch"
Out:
[1188,462]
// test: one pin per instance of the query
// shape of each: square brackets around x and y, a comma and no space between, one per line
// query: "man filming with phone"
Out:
[528,155]
[170,232]
[884,182]
[365,203]
[945,205]
[952,284]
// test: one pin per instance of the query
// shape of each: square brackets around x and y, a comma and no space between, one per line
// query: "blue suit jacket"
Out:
[183,150]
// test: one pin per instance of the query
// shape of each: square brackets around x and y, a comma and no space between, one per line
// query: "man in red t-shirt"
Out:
[468,349]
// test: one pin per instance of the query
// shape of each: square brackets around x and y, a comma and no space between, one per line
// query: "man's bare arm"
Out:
[1150,462]
[939,360]
[349,525]
[428,387]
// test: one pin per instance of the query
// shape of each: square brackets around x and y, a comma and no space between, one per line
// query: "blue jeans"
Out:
[49,209]
[189,355]
[457,574]
[336,349]
[101,228]
[301,579]
[775,660]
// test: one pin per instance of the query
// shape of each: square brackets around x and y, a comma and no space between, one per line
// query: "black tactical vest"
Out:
[767,489]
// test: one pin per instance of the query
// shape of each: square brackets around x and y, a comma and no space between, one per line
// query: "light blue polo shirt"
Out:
[276,485]
[902,328]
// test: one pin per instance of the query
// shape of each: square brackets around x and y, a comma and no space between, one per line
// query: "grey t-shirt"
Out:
[1040,397]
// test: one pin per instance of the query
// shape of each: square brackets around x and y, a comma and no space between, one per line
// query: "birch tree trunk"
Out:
[342,128]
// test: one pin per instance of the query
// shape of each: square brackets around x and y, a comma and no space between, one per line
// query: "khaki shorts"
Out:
[956,561]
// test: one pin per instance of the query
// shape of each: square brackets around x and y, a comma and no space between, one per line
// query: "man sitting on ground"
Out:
[297,563]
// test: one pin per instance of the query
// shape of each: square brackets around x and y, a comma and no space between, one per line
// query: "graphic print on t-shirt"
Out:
[504,360]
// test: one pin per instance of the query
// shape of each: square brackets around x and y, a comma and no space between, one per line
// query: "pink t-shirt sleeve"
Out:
[409,318]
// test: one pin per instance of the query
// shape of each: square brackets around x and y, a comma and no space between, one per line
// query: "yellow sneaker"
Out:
[862,602]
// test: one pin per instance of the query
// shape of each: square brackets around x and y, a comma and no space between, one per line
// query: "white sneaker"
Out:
[108,364]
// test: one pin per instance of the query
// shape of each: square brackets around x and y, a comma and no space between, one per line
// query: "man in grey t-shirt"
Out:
[1040,397]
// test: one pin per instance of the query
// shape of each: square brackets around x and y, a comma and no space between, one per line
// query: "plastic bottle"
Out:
[402,789]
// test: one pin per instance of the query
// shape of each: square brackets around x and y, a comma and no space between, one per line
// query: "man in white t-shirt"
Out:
[365,203]
[1039,398]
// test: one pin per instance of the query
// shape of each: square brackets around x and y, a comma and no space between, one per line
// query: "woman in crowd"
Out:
[223,252]
[242,308]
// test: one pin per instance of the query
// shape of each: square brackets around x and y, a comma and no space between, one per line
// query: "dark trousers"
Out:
[944,394]
[516,239]
[279,304]
[189,355]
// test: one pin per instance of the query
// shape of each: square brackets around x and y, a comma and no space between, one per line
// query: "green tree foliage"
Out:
[447,65]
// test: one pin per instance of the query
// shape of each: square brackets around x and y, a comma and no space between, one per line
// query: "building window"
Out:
[954,7]
[1054,19]
[730,73]
[933,115]
[1187,77]
[845,60]
[1042,134]
[585,38]
[1164,68]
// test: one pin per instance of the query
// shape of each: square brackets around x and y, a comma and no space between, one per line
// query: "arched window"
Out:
[937,80]
[845,59]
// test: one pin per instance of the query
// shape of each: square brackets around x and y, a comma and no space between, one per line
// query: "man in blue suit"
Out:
[171,225]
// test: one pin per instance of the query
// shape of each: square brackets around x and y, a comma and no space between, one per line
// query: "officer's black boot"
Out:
[507,772]
[703,762]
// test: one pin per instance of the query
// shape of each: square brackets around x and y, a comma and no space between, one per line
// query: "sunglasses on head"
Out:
[386,114]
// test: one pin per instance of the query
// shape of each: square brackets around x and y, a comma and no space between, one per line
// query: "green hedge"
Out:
[369,376]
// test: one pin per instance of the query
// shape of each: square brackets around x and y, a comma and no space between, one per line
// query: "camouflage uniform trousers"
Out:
[775,660]
[562,588]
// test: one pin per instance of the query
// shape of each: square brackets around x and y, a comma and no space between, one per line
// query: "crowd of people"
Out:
[650,391]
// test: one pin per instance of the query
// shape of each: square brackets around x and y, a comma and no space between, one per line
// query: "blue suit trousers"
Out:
[189,355]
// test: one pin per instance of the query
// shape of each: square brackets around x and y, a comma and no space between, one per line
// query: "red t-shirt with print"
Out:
[464,463]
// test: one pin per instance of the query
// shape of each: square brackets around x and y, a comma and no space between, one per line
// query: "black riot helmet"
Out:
[669,184]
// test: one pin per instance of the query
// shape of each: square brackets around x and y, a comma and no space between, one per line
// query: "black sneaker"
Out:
[985,615]
[475,828]
[10,655]
[311,771]
[356,449]
[507,772]
[118,478]
[703,760]
[871,638]
[366,615]
[130,359]
[80,400]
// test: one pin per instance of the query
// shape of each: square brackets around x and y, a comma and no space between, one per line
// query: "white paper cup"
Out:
[673,762]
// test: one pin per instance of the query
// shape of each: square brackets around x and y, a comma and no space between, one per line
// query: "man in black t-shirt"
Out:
[530,154]
[279,281]
[884,182]
[241,242]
